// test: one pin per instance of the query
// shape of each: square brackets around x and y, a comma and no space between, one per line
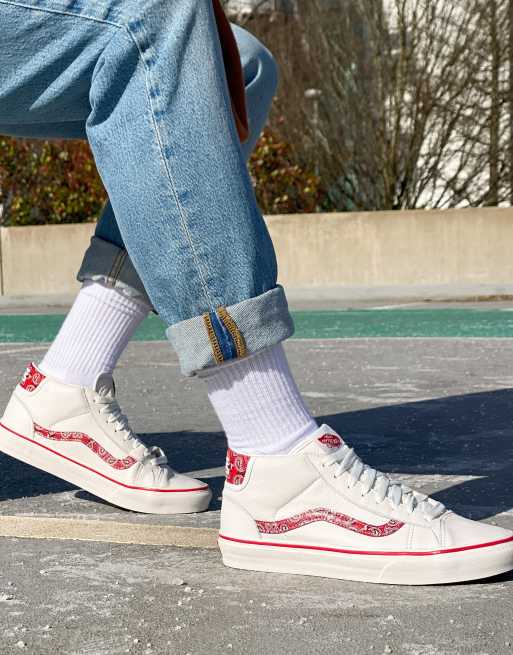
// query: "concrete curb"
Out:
[29,527]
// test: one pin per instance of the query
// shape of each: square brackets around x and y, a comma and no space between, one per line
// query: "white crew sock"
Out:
[259,404]
[95,332]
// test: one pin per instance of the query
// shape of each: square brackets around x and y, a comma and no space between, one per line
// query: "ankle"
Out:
[259,405]
[94,334]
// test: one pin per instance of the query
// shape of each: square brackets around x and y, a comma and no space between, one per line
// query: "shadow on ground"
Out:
[468,435]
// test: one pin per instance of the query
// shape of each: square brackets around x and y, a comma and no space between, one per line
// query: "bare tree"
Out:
[495,103]
[413,111]
[246,10]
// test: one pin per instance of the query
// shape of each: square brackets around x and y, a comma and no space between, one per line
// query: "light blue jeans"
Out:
[144,82]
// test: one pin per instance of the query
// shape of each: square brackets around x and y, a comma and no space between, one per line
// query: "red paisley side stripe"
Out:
[335,518]
[102,475]
[80,437]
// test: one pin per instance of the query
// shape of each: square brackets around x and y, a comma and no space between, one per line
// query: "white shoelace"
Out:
[112,414]
[345,460]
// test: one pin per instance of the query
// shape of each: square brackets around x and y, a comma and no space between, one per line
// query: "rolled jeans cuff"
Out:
[105,262]
[233,332]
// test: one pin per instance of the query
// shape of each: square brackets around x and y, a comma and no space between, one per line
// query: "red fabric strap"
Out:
[234,74]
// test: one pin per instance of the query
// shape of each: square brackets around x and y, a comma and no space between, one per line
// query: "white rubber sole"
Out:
[136,499]
[442,567]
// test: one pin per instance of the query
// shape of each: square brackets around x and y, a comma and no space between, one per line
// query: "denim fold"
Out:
[105,262]
[233,332]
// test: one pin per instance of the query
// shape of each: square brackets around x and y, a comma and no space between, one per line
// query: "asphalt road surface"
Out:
[81,577]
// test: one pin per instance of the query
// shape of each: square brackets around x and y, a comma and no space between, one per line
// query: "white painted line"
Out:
[23,350]
[28,527]
[396,306]
[217,472]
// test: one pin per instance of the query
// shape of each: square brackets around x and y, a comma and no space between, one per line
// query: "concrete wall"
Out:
[395,248]
[42,259]
[467,248]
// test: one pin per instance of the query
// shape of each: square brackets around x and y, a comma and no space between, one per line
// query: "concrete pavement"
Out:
[434,412]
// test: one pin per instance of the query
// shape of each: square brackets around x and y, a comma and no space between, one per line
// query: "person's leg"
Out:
[202,246]
[107,259]
[257,402]
[94,334]
[113,301]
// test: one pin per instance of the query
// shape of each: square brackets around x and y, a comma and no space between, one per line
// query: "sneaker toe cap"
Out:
[164,477]
[183,482]
[460,532]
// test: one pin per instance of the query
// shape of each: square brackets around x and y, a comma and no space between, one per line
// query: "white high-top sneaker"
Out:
[81,435]
[321,511]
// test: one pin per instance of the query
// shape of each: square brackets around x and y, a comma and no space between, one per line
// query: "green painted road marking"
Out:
[23,328]
[404,323]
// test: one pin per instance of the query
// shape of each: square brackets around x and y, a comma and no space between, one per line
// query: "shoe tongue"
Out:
[323,441]
[104,386]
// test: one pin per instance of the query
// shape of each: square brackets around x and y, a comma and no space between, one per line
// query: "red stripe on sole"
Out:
[369,552]
[106,477]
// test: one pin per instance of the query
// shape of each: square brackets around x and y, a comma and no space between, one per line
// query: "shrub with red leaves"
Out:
[281,185]
[44,182]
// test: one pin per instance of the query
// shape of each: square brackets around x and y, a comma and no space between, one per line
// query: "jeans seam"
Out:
[149,84]
[61,12]
[117,265]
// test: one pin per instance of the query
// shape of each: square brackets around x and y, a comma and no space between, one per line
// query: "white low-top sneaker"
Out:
[321,511]
[81,435]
